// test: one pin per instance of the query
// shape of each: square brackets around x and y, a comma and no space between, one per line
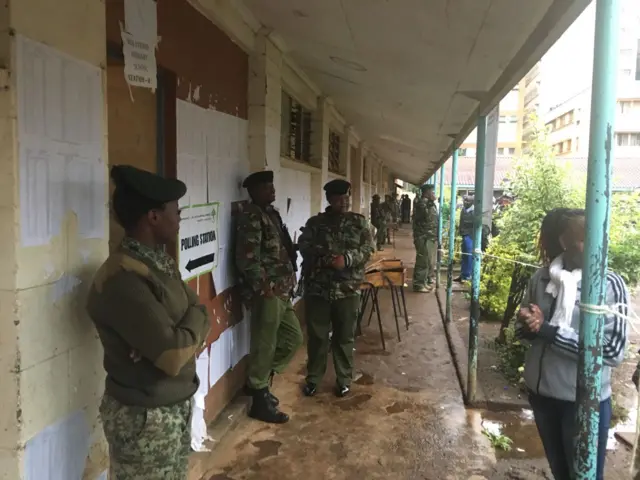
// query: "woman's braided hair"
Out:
[554,225]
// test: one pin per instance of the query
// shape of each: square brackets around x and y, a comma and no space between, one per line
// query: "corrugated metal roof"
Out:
[626,170]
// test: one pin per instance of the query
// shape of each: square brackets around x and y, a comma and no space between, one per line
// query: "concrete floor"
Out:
[404,419]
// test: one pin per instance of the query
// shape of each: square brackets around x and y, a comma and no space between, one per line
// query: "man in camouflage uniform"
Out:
[266,262]
[380,218]
[335,246]
[425,234]
[394,210]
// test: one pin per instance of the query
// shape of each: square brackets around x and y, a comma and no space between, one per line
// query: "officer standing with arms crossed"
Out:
[335,247]
[151,326]
[266,262]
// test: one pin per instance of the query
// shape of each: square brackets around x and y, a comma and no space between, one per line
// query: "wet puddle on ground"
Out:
[518,426]
[267,448]
[222,476]
[398,407]
[354,402]
[364,379]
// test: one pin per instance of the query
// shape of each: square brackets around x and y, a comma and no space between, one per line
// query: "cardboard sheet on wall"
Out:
[60,133]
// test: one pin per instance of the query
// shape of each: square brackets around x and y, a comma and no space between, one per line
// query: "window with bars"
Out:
[334,152]
[295,141]
[628,139]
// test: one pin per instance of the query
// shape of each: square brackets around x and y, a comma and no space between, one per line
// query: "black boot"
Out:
[342,390]
[272,397]
[250,392]
[262,409]
[309,390]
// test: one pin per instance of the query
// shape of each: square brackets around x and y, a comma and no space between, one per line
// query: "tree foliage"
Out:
[540,183]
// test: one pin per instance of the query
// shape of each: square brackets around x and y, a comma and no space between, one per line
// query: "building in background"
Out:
[564,88]
[510,130]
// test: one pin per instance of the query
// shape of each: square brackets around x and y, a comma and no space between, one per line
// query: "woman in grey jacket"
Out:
[550,319]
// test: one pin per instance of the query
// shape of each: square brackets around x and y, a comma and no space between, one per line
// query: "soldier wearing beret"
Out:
[335,246]
[425,235]
[266,263]
[151,326]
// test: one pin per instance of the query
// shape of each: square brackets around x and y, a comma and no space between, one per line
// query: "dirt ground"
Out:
[526,460]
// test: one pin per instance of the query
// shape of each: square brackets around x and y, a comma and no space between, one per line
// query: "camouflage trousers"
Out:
[275,338]
[425,261]
[147,443]
[381,235]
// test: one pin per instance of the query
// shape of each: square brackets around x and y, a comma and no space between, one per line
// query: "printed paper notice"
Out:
[139,40]
[198,240]
[139,62]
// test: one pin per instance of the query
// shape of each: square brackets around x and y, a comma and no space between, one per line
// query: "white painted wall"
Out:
[294,189]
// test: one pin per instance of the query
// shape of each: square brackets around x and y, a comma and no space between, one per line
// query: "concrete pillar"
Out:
[319,154]
[50,357]
[265,105]
[357,184]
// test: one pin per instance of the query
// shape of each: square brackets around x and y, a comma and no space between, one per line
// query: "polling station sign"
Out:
[198,240]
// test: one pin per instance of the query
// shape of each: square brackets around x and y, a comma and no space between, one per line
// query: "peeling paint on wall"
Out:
[59,452]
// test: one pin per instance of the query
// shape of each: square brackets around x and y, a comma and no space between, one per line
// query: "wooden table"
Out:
[388,273]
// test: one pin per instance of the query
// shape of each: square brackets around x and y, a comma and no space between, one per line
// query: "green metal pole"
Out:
[452,235]
[478,208]
[440,207]
[594,272]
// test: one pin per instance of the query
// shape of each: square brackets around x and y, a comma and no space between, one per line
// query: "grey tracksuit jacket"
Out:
[551,363]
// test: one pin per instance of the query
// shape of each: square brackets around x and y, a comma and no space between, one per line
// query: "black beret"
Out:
[337,187]
[258,178]
[426,187]
[150,186]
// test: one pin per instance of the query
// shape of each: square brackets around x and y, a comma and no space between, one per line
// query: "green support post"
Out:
[594,272]
[440,207]
[474,317]
[452,235]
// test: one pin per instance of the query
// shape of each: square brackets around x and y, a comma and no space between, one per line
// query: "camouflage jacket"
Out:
[425,219]
[395,211]
[328,234]
[380,214]
[263,259]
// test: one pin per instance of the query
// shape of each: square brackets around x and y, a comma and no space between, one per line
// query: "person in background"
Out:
[395,211]
[465,231]
[266,262]
[387,208]
[550,320]
[151,326]
[379,220]
[425,235]
[335,246]
[406,209]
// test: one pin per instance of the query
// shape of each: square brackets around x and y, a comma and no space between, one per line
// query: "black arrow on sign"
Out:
[198,262]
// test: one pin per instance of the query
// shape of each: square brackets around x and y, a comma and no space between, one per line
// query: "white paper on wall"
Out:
[60,135]
[199,432]
[139,40]
[213,160]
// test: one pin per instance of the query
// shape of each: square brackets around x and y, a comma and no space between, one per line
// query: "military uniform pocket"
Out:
[128,429]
